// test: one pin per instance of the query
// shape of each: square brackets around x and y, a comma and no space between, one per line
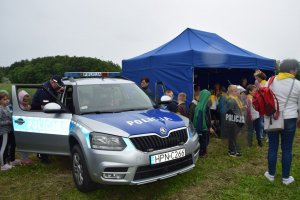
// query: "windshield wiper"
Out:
[132,109]
[96,112]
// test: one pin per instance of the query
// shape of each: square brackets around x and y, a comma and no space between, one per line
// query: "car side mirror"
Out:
[165,99]
[52,108]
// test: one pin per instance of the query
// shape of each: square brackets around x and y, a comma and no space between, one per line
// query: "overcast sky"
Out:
[121,29]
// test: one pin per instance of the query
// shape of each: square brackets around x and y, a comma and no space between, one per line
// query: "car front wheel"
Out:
[80,173]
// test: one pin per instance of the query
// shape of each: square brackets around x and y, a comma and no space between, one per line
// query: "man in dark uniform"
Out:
[172,106]
[145,87]
[42,97]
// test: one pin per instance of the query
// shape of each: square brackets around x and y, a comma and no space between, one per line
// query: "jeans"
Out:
[233,147]
[287,138]
[256,124]
[204,141]
[11,145]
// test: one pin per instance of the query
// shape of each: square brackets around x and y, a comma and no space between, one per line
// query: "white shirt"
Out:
[214,104]
[253,112]
[281,89]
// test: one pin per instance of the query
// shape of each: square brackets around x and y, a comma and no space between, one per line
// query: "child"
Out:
[222,109]
[260,78]
[253,118]
[5,129]
[233,119]
[23,98]
[181,108]
[213,106]
[202,121]
[193,105]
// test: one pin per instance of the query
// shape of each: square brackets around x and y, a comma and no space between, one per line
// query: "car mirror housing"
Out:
[165,99]
[52,108]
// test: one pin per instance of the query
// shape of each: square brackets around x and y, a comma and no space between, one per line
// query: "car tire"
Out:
[80,172]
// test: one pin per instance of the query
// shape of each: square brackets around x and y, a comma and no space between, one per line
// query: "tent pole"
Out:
[193,80]
[208,80]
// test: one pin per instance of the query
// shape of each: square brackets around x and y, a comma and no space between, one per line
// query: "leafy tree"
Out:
[5,80]
[39,70]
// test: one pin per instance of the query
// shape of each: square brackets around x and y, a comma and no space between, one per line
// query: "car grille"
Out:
[162,168]
[154,142]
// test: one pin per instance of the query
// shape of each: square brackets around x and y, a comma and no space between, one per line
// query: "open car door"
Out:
[37,130]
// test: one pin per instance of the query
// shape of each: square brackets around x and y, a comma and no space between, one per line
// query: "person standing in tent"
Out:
[145,86]
[202,121]
[222,107]
[181,107]
[172,106]
[260,78]
[193,105]
[244,82]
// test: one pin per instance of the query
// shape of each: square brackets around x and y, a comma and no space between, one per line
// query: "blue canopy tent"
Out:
[195,57]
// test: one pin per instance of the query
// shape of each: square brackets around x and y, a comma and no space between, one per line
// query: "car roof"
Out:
[94,81]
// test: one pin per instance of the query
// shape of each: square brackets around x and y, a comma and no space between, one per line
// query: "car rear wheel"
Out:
[80,173]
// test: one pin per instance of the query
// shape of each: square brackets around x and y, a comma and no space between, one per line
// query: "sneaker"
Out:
[6,167]
[238,154]
[232,154]
[269,177]
[15,162]
[287,181]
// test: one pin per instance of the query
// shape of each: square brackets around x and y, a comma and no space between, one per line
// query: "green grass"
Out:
[215,177]
[6,87]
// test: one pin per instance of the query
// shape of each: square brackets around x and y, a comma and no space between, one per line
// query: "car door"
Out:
[37,131]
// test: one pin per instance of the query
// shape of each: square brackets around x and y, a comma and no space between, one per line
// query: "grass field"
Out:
[215,177]
[6,87]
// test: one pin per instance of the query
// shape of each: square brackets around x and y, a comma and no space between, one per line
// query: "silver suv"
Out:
[114,133]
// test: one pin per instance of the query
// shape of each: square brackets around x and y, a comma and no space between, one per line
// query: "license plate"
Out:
[164,157]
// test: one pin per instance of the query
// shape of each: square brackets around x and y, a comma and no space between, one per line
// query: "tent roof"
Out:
[201,49]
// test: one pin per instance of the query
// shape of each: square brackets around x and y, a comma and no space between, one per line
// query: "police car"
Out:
[114,133]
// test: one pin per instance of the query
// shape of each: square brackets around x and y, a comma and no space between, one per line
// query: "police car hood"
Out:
[139,122]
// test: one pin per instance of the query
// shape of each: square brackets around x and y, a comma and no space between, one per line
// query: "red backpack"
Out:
[265,102]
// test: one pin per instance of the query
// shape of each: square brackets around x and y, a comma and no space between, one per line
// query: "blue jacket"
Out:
[41,97]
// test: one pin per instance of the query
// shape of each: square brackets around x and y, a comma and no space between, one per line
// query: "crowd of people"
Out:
[224,111]
[220,111]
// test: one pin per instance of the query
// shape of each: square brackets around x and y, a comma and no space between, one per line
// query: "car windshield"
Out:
[112,98]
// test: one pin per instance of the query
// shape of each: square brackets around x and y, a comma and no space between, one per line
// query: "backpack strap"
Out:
[271,81]
[276,114]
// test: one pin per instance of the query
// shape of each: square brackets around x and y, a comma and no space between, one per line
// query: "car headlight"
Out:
[106,142]
[192,131]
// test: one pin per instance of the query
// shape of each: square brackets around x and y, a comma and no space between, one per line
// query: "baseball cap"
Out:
[58,80]
[240,89]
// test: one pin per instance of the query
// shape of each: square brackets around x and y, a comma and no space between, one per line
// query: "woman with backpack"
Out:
[287,90]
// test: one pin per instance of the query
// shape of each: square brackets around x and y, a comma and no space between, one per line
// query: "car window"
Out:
[112,98]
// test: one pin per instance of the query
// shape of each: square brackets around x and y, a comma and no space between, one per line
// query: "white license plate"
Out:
[164,157]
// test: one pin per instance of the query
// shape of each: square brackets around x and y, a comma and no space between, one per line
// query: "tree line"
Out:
[39,70]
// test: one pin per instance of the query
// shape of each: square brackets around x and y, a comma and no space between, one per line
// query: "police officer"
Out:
[42,97]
